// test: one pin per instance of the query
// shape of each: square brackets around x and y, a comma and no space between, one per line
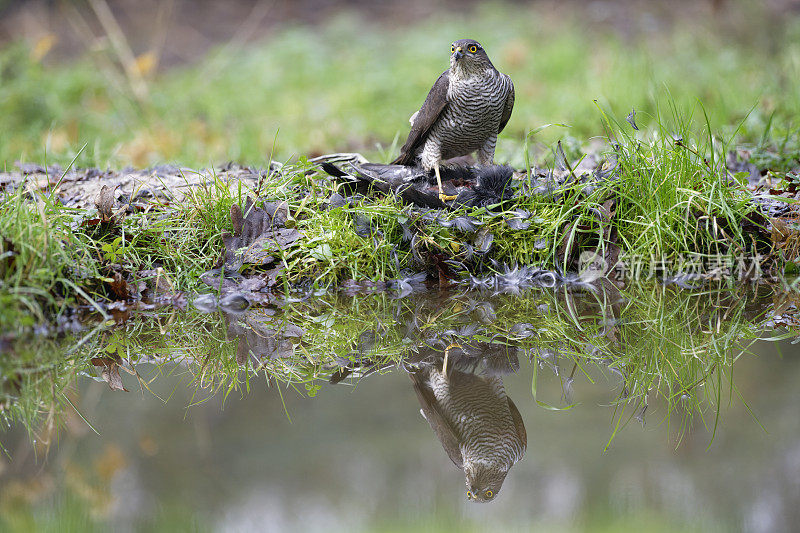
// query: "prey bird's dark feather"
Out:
[474,187]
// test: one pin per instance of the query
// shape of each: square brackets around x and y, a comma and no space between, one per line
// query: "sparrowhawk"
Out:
[466,108]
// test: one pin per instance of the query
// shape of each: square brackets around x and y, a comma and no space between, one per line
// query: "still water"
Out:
[340,415]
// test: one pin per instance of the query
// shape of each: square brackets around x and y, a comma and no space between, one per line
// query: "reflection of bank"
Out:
[466,405]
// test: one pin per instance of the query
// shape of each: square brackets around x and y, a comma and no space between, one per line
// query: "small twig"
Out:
[121,46]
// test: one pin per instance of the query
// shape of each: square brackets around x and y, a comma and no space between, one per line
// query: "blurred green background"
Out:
[201,83]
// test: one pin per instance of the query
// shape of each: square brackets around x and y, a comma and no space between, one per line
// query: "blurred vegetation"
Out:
[351,85]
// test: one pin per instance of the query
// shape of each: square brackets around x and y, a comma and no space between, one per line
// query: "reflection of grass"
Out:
[669,348]
[35,375]
[346,86]
[680,348]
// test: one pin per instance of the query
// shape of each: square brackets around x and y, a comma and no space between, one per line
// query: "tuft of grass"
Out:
[42,260]
[675,195]
[52,259]
[333,250]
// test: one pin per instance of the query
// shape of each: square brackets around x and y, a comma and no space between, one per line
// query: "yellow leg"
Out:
[446,356]
[442,196]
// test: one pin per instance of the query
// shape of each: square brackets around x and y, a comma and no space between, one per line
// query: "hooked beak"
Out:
[458,54]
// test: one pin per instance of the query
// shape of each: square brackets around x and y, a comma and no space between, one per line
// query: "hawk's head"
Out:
[468,55]
[484,481]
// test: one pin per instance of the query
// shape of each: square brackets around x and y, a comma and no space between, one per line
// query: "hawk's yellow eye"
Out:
[488,493]
[452,48]
[472,49]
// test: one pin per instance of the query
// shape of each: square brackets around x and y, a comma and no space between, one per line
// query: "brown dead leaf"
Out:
[7,256]
[119,287]
[784,237]
[237,219]
[258,233]
[608,210]
[105,203]
[109,372]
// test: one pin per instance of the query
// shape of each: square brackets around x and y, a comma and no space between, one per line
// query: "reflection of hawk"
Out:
[466,108]
[479,426]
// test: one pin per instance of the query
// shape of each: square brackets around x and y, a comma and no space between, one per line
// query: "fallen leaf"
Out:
[105,202]
[109,372]
[119,287]
[258,235]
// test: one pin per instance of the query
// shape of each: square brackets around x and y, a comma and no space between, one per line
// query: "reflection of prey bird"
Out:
[479,426]
[466,108]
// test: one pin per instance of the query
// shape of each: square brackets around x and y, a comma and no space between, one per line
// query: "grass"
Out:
[41,256]
[677,196]
[52,258]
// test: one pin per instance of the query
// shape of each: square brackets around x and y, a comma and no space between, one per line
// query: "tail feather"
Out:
[405,158]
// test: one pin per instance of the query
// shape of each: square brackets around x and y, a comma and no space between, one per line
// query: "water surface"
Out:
[716,447]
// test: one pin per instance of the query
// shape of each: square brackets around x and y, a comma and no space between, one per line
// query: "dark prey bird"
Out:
[466,108]
[479,426]
[472,187]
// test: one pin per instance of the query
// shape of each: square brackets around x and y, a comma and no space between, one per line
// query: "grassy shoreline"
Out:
[682,186]
[663,347]
[669,196]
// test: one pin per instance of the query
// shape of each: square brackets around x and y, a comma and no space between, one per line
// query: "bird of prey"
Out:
[466,108]
[478,425]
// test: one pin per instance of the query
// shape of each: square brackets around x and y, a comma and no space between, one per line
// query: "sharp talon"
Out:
[442,196]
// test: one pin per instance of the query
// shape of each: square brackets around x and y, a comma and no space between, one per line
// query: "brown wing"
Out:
[433,106]
[508,107]
[430,408]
